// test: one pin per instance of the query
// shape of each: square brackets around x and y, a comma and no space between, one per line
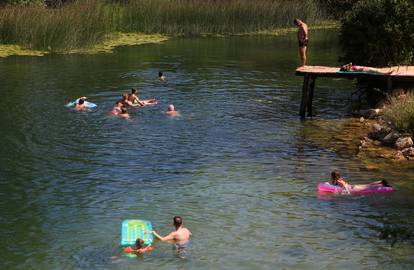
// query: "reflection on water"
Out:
[239,165]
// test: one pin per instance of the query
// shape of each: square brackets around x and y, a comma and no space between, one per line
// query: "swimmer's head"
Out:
[296,22]
[81,101]
[171,108]
[133,90]
[178,221]
[160,74]
[124,110]
[118,103]
[125,96]
[139,243]
[335,176]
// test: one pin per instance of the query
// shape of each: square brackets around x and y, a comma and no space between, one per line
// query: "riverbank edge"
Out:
[119,39]
[383,140]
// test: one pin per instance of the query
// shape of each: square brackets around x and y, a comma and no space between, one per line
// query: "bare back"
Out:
[182,234]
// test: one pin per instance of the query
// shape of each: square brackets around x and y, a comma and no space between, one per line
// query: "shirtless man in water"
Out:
[134,98]
[303,40]
[180,235]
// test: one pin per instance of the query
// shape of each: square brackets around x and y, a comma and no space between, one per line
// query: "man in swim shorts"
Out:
[180,237]
[303,40]
[181,234]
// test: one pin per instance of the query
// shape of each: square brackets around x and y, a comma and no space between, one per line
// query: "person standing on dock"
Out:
[303,39]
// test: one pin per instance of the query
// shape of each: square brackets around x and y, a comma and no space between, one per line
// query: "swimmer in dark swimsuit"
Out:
[303,40]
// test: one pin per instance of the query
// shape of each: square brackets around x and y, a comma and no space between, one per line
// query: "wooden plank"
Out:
[304,101]
[397,72]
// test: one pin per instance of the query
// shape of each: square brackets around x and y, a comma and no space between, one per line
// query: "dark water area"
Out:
[239,165]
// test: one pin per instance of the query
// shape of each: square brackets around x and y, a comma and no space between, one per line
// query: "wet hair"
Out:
[124,110]
[160,73]
[335,176]
[133,90]
[81,101]
[296,21]
[178,221]
[118,102]
[139,243]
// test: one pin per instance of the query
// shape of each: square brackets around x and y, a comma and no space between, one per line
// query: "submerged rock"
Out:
[403,142]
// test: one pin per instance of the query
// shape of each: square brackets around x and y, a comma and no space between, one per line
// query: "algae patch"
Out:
[120,39]
[9,50]
[107,46]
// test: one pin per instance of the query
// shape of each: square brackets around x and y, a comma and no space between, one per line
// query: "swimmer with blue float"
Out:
[180,237]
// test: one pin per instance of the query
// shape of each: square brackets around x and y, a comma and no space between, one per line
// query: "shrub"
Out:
[400,113]
[379,32]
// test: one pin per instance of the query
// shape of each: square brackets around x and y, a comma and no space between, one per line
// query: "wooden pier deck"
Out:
[388,75]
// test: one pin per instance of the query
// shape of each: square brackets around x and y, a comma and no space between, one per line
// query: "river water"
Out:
[239,165]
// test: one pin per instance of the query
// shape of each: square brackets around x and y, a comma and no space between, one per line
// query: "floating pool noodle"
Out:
[329,188]
[88,104]
[131,229]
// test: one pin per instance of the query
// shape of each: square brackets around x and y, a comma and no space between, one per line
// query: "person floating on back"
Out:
[161,76]
[80,105]
[171,111]
[337,180]
[303,40]
[138,248]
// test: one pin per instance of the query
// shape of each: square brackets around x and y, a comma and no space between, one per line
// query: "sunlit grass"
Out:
[89,25]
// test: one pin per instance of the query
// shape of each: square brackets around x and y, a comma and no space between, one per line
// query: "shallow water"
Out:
[239,165]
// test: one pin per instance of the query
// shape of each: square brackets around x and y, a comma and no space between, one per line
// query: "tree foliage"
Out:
[379,32]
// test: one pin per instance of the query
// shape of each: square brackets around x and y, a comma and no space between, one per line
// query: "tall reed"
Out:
[85,23]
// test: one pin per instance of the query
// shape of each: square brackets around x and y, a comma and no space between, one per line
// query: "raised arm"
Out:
[171,236]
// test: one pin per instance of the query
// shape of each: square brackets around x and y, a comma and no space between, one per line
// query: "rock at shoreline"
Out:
[399,156]
[408,152]
[404,142]
[391,138]
[378,132]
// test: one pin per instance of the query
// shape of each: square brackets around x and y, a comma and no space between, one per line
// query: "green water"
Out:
[239,166]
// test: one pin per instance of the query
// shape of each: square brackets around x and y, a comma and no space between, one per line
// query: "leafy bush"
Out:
[379,32]
[400,113]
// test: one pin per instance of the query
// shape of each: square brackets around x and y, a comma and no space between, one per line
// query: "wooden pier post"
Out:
[304,101]
[310,95]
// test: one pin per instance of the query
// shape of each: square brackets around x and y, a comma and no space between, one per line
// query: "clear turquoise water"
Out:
[238,165]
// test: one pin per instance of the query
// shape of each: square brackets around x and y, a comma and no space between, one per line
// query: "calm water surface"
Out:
[237,165]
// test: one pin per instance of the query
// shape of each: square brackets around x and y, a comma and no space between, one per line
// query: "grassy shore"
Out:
[400,113]
[87,25]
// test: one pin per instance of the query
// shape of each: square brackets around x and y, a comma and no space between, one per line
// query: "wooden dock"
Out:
[388,75]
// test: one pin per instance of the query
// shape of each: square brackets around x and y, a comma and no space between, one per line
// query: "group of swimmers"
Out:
[179,237]
[129,100]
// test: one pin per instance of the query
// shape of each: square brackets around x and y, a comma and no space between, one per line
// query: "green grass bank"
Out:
[85,25]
